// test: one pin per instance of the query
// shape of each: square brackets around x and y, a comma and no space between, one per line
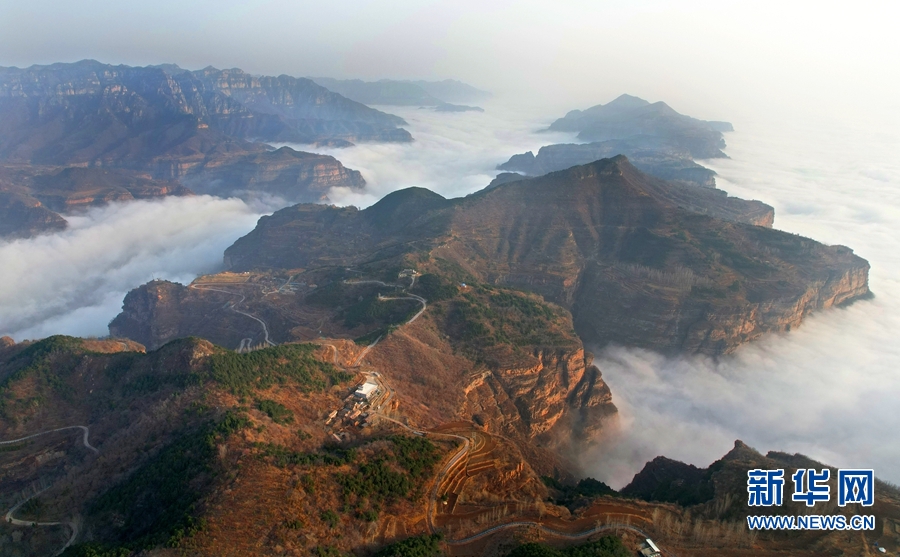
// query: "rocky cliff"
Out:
[293,176]
[74,135]
[153,313]
[32,196]
[22,216]
[639,261]
[89,112]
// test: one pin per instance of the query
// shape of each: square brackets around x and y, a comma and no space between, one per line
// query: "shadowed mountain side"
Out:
[663,162]
[294,176]
[75,187]
[719,491]
[628,254]
[154,130]
[22,216]
[90,112]
[32,196]
[708,201]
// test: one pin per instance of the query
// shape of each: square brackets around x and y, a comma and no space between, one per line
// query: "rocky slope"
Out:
[95,113]
[197,450]
[640,262]
[74,135]
[22,216]
[525,376]
[193,449]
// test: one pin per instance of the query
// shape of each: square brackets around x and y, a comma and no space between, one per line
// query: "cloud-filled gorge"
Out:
[73,282]
[829,389]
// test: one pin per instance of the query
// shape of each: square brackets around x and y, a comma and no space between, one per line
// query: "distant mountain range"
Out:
[156,126]
[654,137]
[647,124]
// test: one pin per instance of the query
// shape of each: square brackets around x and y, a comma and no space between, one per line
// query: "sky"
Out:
[709,58]
[810,87]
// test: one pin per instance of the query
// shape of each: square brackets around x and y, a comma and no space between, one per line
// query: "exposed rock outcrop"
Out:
[82,134]
[638,261]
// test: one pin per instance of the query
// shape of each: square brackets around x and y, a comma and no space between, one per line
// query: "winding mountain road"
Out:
[233,308]
[10,519]
[84,438]
[431,510]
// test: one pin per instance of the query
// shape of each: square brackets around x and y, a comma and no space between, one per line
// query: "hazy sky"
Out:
[711,59]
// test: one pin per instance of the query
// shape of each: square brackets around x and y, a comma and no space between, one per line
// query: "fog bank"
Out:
[73,282]
[829,389]
[453,154]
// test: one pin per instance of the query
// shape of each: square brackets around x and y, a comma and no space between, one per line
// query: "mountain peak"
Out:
[627,101]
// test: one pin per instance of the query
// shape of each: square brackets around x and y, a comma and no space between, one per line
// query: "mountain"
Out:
[154,130]
[194,449]
[717,499]
[381,92]
[437,94]
[655,138]
[645,124]
[453,91]
[93,113]
[666,163]
[638,261]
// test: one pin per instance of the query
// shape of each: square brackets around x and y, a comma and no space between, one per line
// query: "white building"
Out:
[366,390]
[651,550]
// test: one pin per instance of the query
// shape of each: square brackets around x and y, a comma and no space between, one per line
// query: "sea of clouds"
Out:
[829,389]
[73,282]
[453,154]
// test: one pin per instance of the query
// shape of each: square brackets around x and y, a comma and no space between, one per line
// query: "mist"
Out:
[829,389]
[453,154]
[73,282]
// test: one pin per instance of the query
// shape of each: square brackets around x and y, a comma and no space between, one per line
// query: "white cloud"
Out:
[73,282]
[829,389]
[453,154]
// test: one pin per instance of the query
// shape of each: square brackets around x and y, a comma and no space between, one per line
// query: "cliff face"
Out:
[74,187]
[556,397]
[22,216]
[87,111]
[152,314]
[75,135]
[293,176]
[709,320]
[638,261]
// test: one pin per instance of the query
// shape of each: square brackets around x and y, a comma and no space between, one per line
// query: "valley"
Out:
[407,378]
